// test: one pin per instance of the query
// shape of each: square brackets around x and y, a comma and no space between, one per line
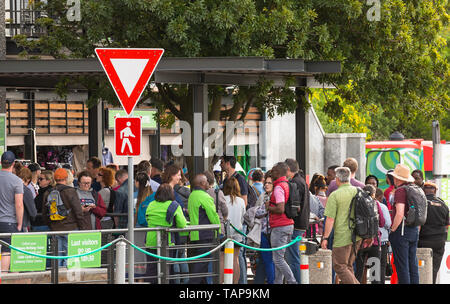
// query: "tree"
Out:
[394,64]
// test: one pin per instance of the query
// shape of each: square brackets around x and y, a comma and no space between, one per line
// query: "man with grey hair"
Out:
[336,211]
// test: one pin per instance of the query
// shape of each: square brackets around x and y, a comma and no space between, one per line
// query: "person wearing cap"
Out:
[75,218]
[157,169]
[433,234]
[35,173]
[403,238]
[11,204]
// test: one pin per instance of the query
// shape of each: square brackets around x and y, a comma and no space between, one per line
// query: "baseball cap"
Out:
[8,157]
[34,167]
[61,174]
[157,163]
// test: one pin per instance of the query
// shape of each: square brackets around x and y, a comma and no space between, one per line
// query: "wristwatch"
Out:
[325,239]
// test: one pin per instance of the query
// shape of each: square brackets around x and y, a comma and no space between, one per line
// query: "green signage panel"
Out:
[148,118]
[79,243]
[2,133]
[30,243]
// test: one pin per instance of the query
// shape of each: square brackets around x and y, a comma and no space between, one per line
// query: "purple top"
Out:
[354,182]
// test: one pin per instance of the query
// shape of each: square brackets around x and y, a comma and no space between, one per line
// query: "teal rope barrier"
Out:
[297,239]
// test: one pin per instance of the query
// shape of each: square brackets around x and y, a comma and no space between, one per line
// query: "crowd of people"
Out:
[35,199]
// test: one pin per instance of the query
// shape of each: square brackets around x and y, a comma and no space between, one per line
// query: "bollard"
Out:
[304,264]
[121,248]
[228,263]
[320,267]
[425,263]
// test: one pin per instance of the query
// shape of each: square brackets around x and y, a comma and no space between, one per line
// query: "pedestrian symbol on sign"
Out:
[124,135]
[128,134]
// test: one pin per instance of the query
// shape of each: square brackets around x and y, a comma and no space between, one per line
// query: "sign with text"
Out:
[79,243]
[30,243]
[148,117]
[129,71]
[127,136]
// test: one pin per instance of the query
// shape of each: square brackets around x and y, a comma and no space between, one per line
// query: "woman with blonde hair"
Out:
[236,211]
[46,181]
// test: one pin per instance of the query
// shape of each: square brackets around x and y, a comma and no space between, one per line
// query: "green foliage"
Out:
[395,70]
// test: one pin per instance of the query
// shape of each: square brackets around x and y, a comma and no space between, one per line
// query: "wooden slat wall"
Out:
[50,117]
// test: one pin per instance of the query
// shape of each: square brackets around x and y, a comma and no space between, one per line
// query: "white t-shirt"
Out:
[236,211]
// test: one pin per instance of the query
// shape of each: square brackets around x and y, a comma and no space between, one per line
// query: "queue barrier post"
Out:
[121,248]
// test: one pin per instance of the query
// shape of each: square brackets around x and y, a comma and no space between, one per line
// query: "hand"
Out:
[324,244]
[368,243]
[86,208]
[19,227]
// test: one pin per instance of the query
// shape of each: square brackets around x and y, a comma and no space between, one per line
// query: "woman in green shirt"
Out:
[162,212]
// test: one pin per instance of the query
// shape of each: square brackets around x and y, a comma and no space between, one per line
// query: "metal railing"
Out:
[110,238]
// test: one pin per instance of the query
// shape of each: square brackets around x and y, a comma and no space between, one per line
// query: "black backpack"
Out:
[119,204]
[252,197]
[293,204]
[417,206]
[364,222]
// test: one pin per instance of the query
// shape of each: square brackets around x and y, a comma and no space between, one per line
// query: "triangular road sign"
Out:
[129,71]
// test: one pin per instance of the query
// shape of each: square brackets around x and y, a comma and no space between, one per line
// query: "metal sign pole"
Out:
[130,220]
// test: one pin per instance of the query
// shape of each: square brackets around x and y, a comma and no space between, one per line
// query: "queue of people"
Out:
[35,199]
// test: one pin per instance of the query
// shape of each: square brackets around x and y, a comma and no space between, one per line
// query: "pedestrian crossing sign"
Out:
[127,135]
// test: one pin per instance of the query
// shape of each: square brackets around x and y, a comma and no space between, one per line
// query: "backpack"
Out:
[57,211]
[252,197]
[293,204]
[364,223]
[417,206]
[119,204]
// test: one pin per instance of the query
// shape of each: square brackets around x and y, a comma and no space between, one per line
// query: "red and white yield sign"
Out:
[129,71]
[127,136]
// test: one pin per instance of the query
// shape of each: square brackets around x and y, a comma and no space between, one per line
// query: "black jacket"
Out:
[437,220]
[302,221]
[38,201]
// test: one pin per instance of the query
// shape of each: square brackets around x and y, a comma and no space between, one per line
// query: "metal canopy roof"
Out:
[203,70]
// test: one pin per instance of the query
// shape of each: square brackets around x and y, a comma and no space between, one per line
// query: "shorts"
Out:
[7,228]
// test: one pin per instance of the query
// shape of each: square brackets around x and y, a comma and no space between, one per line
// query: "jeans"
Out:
[181,268]
[266,267]
[293,256]
[243,260]
[280,236]
[404,249]
[62,249]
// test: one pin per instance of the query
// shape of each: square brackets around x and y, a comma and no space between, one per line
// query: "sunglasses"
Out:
[99,174]
[41,178]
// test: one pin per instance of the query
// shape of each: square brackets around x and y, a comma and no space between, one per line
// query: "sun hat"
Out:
[61,174]
[402,172]
[430,184]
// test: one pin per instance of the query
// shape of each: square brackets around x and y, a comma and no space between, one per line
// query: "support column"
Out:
[95,129]
[2,53]
[155,144]
[300,129]
[30,138]
[200,100]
